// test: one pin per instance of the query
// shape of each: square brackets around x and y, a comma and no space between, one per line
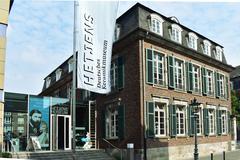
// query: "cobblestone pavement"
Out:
[231,155]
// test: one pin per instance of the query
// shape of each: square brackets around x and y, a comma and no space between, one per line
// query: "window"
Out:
[218,53]
[160,119]
[58,74]
[221,85]
[157,24]
[211,115]
[192,41]
[176,34]
[20,120]
[111,122]
[209,84]
[199,121]
[116,32]
[158,68]
[207,47]
[70,65]
[48,82]
[178,74]
[224,121]
[69,90]
[180,119]
[7,120]
[114,75]
[20,129]
[196,78]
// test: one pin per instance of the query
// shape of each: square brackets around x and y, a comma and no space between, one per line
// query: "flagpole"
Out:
[74,82]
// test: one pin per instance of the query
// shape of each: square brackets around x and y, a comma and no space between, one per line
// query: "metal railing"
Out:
[109,143]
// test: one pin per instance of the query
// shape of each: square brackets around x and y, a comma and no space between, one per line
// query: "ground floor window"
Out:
[111,120]
[224,122]
[160,119]
[211,114]
[180,119]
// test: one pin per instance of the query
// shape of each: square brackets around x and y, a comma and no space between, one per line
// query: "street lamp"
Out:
[196,109]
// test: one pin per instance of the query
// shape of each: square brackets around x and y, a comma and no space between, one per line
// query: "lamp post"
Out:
[196,108]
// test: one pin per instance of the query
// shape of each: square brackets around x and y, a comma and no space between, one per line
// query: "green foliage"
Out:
[6,155]
[235,106]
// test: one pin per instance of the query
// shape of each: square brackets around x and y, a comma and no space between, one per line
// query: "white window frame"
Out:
[111,129]
[213,122]
[157,126]
[21,120]
[224,118]
[210,80]
[70,65]
[116,32]
[192,40]
[196,80]
[221,85]
[58,73]
[178,119]
[157,24]
[114,74]
[177,77]
[219,53]
[207,47]
[156,67]
[200,115]
[48,82]
[176,33]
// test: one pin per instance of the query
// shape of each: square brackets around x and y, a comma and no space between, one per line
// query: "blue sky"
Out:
[40,35]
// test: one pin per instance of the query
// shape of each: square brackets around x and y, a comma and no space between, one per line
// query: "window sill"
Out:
[162,137]
[159,86]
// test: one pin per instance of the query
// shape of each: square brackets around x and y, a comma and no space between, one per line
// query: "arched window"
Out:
[176,33]
[218,53]
[156,24]
[207,47]
[192,40]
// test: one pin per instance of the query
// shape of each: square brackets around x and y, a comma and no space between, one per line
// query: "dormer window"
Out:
[218,53]
[157,24]
[48,82]
[58,74]
[116,32]
[192,40]
[176,33]
[70,65]
[207,47]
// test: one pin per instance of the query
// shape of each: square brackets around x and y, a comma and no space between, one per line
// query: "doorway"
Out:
[61,132]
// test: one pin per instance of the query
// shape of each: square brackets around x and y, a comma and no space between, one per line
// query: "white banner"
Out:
[95,29]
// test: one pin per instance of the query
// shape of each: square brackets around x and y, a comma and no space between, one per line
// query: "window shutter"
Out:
[219,122]
[120,72]
[121,121]
[190,121]
[217,86]
[103,124]
[227,89]
[204,81]
[172,115]
[149,65]
[171,72]
[206,121]
[150,119]
[229,123]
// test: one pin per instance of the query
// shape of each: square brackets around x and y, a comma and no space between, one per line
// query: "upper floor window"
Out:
[192,41]
[116,32]
[48,82]
[58,74]
[114,75]
[157,24]
[221,85]
[158,68]
[117,73]
[207,47]
[209,82]
[70,65]
[176,33]
[218,53]
[178,74]
[196,78]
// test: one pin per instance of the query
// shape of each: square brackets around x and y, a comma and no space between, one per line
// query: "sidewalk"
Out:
[231,155]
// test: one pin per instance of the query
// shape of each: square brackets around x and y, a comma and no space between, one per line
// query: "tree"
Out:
[235,105]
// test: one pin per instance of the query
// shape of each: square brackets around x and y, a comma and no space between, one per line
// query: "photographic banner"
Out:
[39,108]
[95,24]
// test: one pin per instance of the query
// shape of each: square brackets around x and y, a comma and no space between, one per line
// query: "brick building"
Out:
[158,67]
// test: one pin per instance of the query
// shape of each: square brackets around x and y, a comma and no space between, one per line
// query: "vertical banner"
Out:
[39,119]
[95,24]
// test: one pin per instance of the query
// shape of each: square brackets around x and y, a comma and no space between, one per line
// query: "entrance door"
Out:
[63,139]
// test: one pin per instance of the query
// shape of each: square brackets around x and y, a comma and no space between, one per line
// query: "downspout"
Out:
[143,97]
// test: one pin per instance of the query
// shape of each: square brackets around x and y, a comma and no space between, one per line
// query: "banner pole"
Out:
[74,82]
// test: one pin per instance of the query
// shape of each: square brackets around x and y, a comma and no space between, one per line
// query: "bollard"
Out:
[130,151]
[211,156]
[224,155]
